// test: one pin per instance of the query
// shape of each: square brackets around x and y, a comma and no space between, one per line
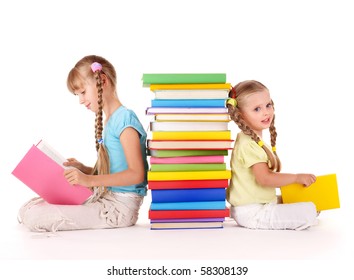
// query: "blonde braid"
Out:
[102,164]
[273,141]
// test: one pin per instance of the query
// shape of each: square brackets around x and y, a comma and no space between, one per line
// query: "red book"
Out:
[191,214]
[188,184]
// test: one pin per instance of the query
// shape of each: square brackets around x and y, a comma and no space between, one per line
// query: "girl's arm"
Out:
[267,178]
[134,174]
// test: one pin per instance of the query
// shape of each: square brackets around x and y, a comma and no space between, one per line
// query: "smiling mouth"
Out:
[88,106]
[266,120]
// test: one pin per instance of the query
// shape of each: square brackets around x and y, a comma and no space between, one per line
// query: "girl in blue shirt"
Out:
[118,179]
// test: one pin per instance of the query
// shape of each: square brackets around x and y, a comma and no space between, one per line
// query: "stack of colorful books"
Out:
[188,141]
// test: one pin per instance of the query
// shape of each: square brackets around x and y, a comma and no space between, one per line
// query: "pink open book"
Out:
[42,170]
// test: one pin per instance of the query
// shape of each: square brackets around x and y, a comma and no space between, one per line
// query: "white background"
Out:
[301,50]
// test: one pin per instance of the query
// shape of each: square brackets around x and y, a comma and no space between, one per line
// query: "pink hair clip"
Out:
[96,67]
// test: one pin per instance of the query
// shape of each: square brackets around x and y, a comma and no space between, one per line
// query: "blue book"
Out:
[195,205]
[185,195]
[196,103]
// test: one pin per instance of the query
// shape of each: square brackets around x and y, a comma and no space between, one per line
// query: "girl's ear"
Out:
[104,79]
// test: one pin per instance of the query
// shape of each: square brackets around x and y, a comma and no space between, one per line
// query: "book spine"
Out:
[188,175]
[187,220]
[181,78]
[181,110]
[191,94]
[188,195]
[189,144]
[188,103]
[192,159]
[155,87]
[188,184]
[192,117]
[187,167]
[183,153]
[188,225]
[195,205]
[181,214]
[191,135]
[188,126]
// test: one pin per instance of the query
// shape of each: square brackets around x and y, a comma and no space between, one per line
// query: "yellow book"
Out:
[188,175]
[191,135]
[154,87]
[323,193]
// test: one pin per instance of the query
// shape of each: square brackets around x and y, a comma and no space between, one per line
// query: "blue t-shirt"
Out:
[120,120]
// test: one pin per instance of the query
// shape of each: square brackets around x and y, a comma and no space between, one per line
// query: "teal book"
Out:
[187,166]
[194,205]
[189,103]
[183,78]
[183,153]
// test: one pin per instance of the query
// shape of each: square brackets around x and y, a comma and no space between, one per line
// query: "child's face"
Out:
[88,95]
[257,111]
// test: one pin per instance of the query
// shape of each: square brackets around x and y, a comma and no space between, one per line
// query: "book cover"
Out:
[193,117]
[188,195]
[156,87]
[189,144]
[188,184]
[188,175]
[191,159]
[187,167]
[183,214]
[183,78]
[197,94]
[189,205]
[183,153]
[323,193]
[184,110]
[40,170]
[187,225]
[203,103]
[188,126]
[191,135]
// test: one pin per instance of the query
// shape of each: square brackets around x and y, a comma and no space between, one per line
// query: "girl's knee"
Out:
[43,217]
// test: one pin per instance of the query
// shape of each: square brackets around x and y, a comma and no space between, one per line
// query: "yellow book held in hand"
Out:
[323,193]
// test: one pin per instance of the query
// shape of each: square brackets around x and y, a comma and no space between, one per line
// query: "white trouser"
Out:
[296,216]
[113,210]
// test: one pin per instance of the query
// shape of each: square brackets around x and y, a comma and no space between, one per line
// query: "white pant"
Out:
[111,211]
[296,216]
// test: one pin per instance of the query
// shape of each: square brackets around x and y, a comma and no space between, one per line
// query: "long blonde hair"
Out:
[77,76]
[238,93]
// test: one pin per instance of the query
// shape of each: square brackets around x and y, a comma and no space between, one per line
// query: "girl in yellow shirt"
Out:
[256,166]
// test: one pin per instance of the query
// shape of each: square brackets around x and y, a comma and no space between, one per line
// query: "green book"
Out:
[187,167]
[183,153]
[186,78]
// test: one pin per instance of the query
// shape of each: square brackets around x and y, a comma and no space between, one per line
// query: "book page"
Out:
[50,152]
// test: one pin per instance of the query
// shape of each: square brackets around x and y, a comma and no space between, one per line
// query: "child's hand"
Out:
[72,162]
[305,179]
[76,177]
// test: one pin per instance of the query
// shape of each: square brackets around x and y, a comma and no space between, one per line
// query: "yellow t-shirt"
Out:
[243,188]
